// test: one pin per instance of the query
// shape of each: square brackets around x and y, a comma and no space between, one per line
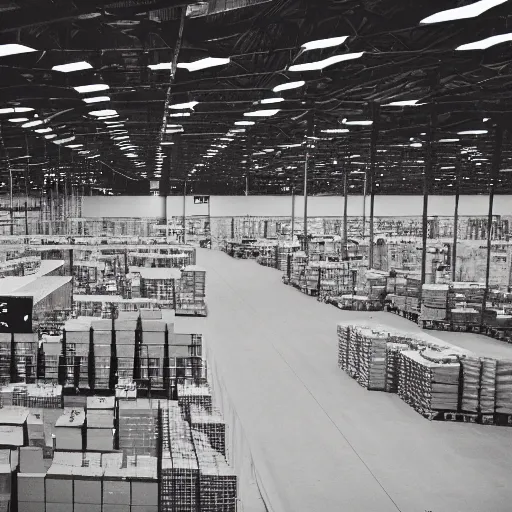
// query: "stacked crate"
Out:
[100,422]
[13,421]
[217,481]
[5,486]
[152,352]
[211,424]
[198,394]
[429,383]
[69,429]
[43,396]
[434,301]
[298,266]
[186,357]
[30,480]
[77,335]
[471,375]
[26,347]
[125,347]
[51,350]
[59,483]
[192,291]
[465,301]
[5,357]
[158,283]
[504,387]
[102,352]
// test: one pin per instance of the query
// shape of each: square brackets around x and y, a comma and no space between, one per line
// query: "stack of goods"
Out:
[31,479]
[125,347]
[5,357]
[471,370]
[87,484]
[337,279]
[138,426]
[395,347]
[152,351]
[192,291]
[488,387]
[282,256]
[69,429]
[343,343]
[413,290]
[5,486]
[26,347]
[298,266]
[158,283]
[126,389]
[51,352]
[310,279]
[102,352]
[198,394]
[211,424]
[375,285]
[504,387]
[467,297]
[429,381]
[59,481]
[13,421]
[217,481]
[45,396]
[434,299]
[100,422]
[35,429]
[186,357]
[180,471]
[78,337]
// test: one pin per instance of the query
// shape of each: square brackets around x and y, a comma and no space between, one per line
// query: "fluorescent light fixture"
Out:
[208,62]
[483,44]
[272,100]
[51,136]
[236,130]
[162,65]
[107,117]
[357,123]
[174,126]
[270,150]
[166,143]
[262,113]
[336,130]
[6,111]
[449,140]
[416,145]
[405,103]
[245,123]
[32,123]
[74,66]
[96,99]
[101,113]
[93,156]
[121,125]
[14,49]
[91,88]
[288,86]
[324,43]
[461,13]
[43,130]
[84,152]
[322,64]
[180,114]
[472,132]
[124,137]
[64,141]
[227,138]
[111,122]
[18,119]
[74,146]
[174,130]
[182,106]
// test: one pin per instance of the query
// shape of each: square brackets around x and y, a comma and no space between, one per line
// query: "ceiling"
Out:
[394,58]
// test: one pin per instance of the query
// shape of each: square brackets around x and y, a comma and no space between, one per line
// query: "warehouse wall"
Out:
[280,206]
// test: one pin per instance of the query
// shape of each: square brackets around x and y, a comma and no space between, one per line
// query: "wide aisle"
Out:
[319,440]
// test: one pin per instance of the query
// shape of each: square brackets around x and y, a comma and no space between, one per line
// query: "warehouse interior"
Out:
[255,255]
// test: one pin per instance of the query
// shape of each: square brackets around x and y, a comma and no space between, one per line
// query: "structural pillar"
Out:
[309,134]
[345,212]
[293,213]
[184,211]
[456,218]
[373,160]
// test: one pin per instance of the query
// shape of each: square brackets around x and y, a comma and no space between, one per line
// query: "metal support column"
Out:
[345,212]
[453,261]
[293,213]
[373,161]
[309,134]
[184,212]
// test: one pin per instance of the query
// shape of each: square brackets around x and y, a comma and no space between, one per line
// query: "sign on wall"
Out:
[16,314]
[201,199]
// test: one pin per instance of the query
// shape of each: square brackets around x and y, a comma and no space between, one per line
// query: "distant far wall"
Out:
[281,206]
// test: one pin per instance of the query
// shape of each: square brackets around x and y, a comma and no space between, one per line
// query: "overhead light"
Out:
[96,99]
[236,130]
[124,137]
[174,126]
[483,44]
[357,123]
[245,123]
[74,146]
[182,106]
[31,124]
[102,113]
[290,146]
[416,145]
[120,125]
[74,66]
[51,136]
[465,12]
[208,62]
[472,132]
[91,88]
[272,100]
[449,140]
[162,65]
[84,152]
[64,141]
[180,114]
[112,122]
[166,143]
[324,43]
[270,150]
[405,103]
[94,156]
[335,130]
[43,130]
[227,138]
[322,64]
[18,119]
[107,117]
[262,113]
[14,49]
[288,86]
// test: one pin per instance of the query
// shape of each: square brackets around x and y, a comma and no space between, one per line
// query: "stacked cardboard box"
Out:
[48,396]
[125,347]
[198,394]
[69,429]
[211,424]
[77,333]
[87,488]
[471,371]
[152,351]
[35,429]
[12,426]
[5,484]
[5,357]
[102,352]
[434,300]
[217,481]
[59,485]
[52,350]
[186,357]
[26,347]
[100,423]
[31,487]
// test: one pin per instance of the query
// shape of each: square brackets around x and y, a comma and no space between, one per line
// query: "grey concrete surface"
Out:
[320,442]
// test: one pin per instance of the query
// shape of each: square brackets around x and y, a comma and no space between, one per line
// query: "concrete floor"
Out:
[319,441]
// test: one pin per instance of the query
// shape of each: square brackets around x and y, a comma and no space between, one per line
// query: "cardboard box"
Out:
[115,508]
[116,492]
[27,506]
[87,485]
[144,493]
[59,490]
[144,508]
[100,439]
[31,460]
[79,507]
[59,507]
[31,487]
[5,479]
